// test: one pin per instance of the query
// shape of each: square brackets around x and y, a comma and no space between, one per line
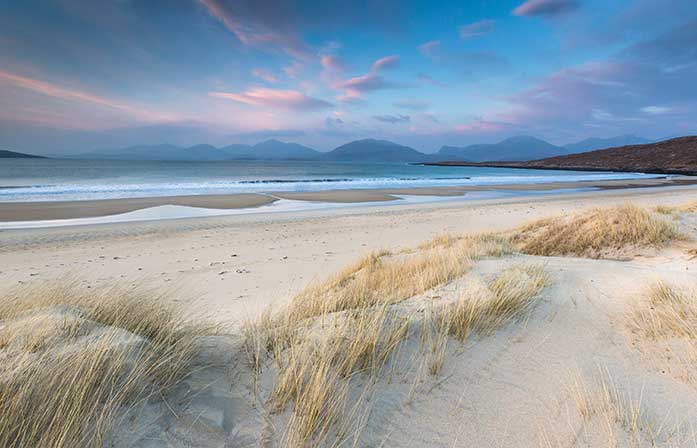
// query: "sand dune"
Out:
[464,330]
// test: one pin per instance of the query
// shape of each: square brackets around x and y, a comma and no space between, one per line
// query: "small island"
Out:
[5,154]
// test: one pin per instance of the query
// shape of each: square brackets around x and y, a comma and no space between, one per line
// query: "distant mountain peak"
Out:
[374,150]
[519,147]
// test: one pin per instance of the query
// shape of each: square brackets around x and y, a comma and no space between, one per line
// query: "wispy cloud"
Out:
[625,93]
[386,63]
[393,119]
[545,7]
[656,110]
[429,48]
[286,99]
[332,63]
[293,70]
[265,75]
[256,33]
[355,88]
[55,91]
[477,28]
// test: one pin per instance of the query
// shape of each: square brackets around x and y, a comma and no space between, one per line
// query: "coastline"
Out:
[555,167]
[58,210]
[232,263]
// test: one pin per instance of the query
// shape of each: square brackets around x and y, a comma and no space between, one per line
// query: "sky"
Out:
[83,75]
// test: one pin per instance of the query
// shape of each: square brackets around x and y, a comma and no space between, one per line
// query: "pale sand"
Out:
[239,264]
[511,388]
[35,211]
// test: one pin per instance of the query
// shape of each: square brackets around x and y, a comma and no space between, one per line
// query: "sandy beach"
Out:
[331,224]
[53,210]
[488,336]
[237,265]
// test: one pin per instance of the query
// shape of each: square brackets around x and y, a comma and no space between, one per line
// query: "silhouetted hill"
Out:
[274,149]
[268,150]
[371,150]
[674,156]
[5,154]
[513,148]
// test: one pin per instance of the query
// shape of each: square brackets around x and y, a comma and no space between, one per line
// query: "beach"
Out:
[525,320]
[58,210]
[237,265]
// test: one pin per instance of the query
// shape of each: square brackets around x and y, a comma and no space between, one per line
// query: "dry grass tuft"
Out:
[316,369]
[349,327]
[612,416]
[666,210]
[664,330]
[335,338]
[391,278]
[484,309]
[595,232]
[690,207]
[72,364]
[667,312]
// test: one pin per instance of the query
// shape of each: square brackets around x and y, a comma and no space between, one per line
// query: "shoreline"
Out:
[232,262]
[526,165]
[62,210]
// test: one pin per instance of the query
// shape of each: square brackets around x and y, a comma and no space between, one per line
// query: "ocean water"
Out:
[61,180]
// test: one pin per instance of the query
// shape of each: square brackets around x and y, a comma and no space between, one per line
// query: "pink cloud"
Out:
[545,7]
[265,75]
[332,63]
[293,70]
[477,28]
[52,90]
[285,99]
[354,88]
[386,63]
[429,48]
[256,34]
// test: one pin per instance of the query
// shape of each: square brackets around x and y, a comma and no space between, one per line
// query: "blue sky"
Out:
[79,75]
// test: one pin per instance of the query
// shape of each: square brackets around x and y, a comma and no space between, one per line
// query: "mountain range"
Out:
[370,150]
[673,156]
[267,150]
[516,148]
[521,148]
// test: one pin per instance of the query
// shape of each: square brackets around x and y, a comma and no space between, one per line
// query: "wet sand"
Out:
[33,211]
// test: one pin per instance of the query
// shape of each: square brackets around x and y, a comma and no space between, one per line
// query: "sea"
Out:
[26,180]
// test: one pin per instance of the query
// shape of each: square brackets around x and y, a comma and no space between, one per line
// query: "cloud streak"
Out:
[332,63]
[55,91]
[477,29]
[285,99]
[354,88]
[256,33]
[430,48]
[393,119]
[265,75]
[386,63]
[545,7]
